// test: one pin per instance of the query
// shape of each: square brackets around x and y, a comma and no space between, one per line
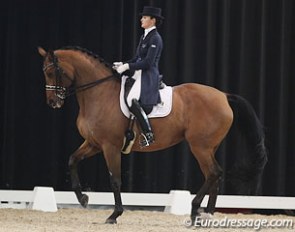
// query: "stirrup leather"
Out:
[129,137]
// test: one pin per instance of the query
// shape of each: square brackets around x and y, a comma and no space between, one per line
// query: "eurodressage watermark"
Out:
[256,224]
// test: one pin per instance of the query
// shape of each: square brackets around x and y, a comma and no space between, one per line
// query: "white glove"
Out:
[122,68]
[117,64]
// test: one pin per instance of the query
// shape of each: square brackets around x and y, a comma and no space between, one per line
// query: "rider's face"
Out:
[147,22]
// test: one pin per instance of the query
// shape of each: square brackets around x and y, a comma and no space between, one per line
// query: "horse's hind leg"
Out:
[212,173]
[84,151]
[213,191]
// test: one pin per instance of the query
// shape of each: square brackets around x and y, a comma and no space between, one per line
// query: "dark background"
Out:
[244,47]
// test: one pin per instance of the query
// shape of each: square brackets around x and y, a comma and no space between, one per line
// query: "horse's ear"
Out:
[41,51]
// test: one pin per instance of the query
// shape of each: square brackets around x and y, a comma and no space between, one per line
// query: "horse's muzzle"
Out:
[55,104]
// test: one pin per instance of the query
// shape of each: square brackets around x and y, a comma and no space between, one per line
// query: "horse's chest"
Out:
[86,130]
[90,129]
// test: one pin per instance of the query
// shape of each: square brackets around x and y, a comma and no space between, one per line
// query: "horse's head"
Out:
[58,78]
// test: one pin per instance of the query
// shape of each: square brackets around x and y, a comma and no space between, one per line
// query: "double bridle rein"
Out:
[61,91]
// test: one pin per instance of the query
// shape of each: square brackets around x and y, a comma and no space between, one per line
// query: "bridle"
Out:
[62,92]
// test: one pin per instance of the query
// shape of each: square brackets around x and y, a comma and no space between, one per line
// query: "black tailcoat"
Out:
[147,58]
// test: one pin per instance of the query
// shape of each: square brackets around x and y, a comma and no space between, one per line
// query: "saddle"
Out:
[160,110]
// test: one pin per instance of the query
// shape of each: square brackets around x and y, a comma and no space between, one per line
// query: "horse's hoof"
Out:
[111,221]
[84,200]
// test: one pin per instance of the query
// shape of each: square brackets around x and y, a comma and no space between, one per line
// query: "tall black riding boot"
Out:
[147,133]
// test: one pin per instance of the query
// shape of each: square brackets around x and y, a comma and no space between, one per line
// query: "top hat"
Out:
[152,11]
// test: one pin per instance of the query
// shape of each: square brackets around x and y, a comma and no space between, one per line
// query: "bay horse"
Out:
[201,115]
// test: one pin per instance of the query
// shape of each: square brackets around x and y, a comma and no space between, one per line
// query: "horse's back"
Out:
[198,95]
[199,91]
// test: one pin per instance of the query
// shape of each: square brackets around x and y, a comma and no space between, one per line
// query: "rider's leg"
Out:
[143,120]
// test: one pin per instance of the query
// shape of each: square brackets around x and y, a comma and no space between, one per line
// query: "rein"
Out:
[80,88]
[63,92]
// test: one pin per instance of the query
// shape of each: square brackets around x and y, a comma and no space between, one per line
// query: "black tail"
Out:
[246,173]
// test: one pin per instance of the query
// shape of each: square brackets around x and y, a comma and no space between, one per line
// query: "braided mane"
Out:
[92,54]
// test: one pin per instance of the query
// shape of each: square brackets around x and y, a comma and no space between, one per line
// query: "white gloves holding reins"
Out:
[117,64]
[120,67]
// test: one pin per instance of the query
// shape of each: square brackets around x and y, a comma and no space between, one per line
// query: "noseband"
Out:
[61,91]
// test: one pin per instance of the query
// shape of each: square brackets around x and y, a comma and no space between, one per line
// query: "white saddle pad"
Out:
[160,110]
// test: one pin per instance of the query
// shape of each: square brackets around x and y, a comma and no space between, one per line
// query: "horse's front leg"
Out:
[84,151]
[118,210]
[113,159]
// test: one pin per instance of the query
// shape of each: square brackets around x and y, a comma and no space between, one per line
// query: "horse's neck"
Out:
[99,96]
[87,72]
